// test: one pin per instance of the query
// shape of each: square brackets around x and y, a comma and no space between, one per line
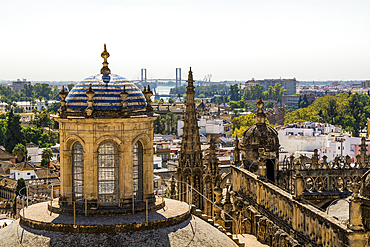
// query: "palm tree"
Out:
[46,155]
[19,150]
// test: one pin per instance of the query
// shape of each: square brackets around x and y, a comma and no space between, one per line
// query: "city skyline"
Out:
[232,40]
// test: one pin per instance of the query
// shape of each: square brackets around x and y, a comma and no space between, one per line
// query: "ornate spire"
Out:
[260,116]
[190,78]
[105,55]
[212,162]
[190,92]
[191,153]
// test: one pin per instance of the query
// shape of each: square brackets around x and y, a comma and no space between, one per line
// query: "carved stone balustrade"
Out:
[308,224]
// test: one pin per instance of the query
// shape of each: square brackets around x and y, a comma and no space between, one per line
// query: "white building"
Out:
[157,162]
[28,106]
[328,139]
[23,170]
[34,152]
[301,141]
[206,125]
[343,145]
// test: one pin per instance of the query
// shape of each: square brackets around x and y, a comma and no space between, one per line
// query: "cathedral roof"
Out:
[107,93]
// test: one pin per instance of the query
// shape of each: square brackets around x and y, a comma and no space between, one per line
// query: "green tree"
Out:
[45,141]
[3,126]
[46,155]
[32,134]
[278,91]
[54,107]
[241,123]
[42,90]
[171,122]
[234,92]
[18,190]
[269,104]
[20,151]
[329,109]
[42,119]
[13,134]
[70,86]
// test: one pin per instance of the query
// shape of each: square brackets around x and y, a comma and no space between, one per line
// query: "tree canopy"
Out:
[242,123]
[20,150]
[13,132]
[349,111]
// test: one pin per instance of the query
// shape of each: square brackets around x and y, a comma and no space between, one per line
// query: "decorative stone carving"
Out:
[90,102]
[62,94]
[124,94]
[148,93]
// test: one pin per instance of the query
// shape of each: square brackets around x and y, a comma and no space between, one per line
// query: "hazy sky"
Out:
[230,39]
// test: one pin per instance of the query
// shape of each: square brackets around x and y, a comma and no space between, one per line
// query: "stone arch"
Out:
[108,138]
[71,140]
[224,179]
[145,166]
[197,171]
[144,139]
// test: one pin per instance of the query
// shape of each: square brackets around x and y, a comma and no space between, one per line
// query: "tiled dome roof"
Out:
[107,93]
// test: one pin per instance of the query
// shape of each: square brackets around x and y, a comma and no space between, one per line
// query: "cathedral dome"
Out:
[260,134]
[107,90]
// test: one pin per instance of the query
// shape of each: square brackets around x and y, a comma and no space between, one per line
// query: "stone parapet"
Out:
[33,218]
[305,223]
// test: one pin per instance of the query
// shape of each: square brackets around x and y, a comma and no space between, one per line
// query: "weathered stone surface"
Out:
[192,232]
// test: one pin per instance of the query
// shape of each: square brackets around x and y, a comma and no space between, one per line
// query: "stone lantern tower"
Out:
[106,140]
[260,147]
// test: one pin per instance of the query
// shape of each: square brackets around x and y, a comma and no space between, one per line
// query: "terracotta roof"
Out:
[24,166]
[31,145]
[4,166]
[8,183]
[42,173]
[5,155]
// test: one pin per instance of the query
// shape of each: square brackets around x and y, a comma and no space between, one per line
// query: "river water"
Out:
[163,90]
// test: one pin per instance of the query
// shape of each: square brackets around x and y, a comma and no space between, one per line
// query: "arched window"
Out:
[78,172]
[108,174]
[138,171]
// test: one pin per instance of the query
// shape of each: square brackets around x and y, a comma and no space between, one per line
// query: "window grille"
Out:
[78,172]
[138,171]
[108,179]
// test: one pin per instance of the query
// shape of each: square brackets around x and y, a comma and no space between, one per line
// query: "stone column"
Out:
[148,174]
[218,194]
[173,188]
[355,212]
[90,176]
[66,179]
[298,182]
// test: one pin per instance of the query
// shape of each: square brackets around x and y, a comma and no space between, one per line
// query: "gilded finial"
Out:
[105,55]
[260,104]
[260,116]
